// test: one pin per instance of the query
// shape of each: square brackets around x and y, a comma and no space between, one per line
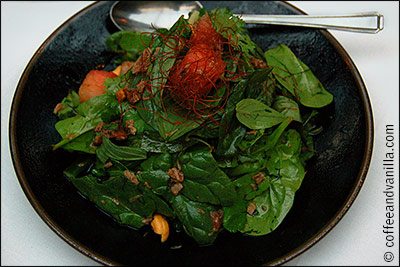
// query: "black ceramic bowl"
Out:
[333,180]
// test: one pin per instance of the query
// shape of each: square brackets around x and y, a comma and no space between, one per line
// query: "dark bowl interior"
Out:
[333,180]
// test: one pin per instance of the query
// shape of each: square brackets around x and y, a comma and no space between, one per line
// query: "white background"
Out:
[356,240]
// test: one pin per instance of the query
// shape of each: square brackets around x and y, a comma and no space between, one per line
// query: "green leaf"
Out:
[155,144]
[157,162]
[297,78]
[118,197]
[230,137]
[287,107]
[128,44]
[228,145]
[235,216]
[90,113]
[246,167]
[267,142]
[231,28]
[201,172]
[83,143]
[256,115]
[70,103]
[195,218]
[170,125]
[286,175]
[271,209]
[108,150]
[158,180]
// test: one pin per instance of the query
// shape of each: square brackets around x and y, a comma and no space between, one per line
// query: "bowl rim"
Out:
[368,148]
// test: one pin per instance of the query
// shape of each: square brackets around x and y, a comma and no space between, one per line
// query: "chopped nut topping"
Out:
[133,199]
[251,208]
[175,188]
[140,86]
[140,65]
[147,185]
[108,164]
[131,177]
[176,175]
[251,132]
[119,134]
[99,127]
[134,96]
[216,218]
[254,187]
[98,139]
[258,63]
[201,211]
[130,126]
[178,164]
[58,107]
[258,178]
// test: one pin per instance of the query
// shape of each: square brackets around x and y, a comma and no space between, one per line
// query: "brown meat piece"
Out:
[98,139]
[251,208]
[258,178]
[130,126]
[99,127]
[140,86]
[176,188]
[176,175]
[108,164]
[139,65]
[258,63]
[216,218]
[131,177]
[134,96]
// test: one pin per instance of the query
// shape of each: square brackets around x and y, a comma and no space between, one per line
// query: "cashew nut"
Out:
[117,70]
[160,226]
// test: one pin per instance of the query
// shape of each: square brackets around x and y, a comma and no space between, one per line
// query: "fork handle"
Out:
[371,22]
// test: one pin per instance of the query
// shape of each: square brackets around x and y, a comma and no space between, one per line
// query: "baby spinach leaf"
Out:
[73,127]
[158,181]
[118,197]
[247,167]
[235,216]
[157,162]
[151,143]
[267,142]
[271,209]
[285,161]
[195,218]
[228,25]
[83,143]
[70,102]
[230,137]
[297,78]
[108,150]
[201,170]
[90,113]
[253,79]
[287,173]
[287,107]
[127,44]
[256,115]
[229,144]
[169,124]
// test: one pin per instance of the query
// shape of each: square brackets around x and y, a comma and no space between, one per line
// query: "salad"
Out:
[193,128]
